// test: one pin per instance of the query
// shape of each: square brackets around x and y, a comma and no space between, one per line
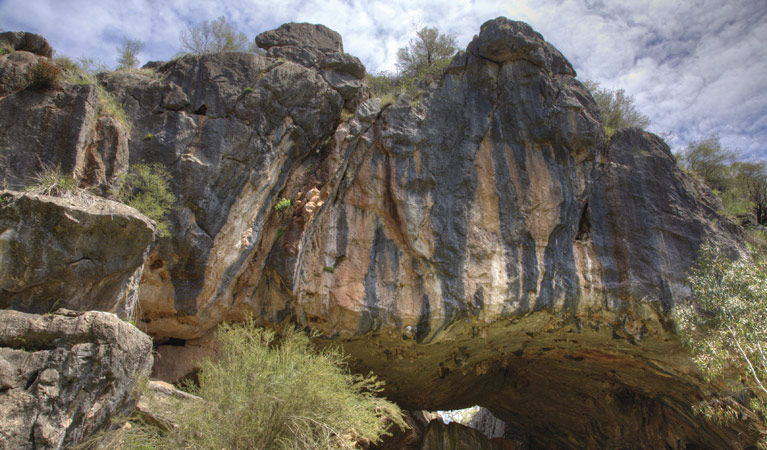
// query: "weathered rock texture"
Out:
[65,127]
[454,436]
[64,375]
[28,42]
[81,253]
[478,244]
[317,46]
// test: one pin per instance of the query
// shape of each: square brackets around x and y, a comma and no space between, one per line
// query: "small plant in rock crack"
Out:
[283,204]
[45,75]
[51,181]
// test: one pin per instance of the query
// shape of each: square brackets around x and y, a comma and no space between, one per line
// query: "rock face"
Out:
[82,253]
[478,244]
[317,46]
[65,374]
[64,127]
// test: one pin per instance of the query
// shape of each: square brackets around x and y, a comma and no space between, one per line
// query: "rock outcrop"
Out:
[65,375]
[27,42]
[81,253]
[477,244]
[317,46]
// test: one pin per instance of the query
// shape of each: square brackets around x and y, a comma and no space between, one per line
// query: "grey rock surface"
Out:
[230,128]
[81,253]
[28,42]
[317,46]
[62,128]
[14,69]
[64,375]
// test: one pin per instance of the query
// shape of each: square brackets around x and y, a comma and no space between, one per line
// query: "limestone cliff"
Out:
[477,244]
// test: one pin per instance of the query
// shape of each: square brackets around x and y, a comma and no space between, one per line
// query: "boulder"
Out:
[80,252]
[14,71]
[27,42]
[317,46]
[64,375]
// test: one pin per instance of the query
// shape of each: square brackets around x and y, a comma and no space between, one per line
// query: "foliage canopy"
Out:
[214,37]
[617,109]
[429,50]
[726,329]
[741,186]
[128,52]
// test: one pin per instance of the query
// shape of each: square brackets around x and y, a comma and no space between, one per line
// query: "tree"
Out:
[426,54]
[711,161]
[617,109]
[725,327]
[129,51]
[214,37]
[752,179]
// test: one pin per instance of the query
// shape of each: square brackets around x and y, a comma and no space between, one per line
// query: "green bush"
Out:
[146,187]
[52,182]
[44,75]
[282,204]
[725,329]
[617,109]
[266,392]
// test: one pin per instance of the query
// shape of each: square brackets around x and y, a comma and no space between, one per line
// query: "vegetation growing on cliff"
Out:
[44,75]
[146,187]
[419,63]
[726,330]
[617,109]
[51,181]
[741,186]
[214,37]
[266,392]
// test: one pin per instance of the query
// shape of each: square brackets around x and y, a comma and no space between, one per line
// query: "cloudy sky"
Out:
[695,67]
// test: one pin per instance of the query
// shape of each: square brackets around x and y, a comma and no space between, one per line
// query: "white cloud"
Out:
[695,68]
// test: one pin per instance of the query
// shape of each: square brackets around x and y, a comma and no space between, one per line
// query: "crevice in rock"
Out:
[584,225]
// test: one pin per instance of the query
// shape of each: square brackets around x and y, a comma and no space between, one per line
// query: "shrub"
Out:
[52,182]
[617,109]
[282,204]
[146,187]
[274,393]
[44,75]
[725,329]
